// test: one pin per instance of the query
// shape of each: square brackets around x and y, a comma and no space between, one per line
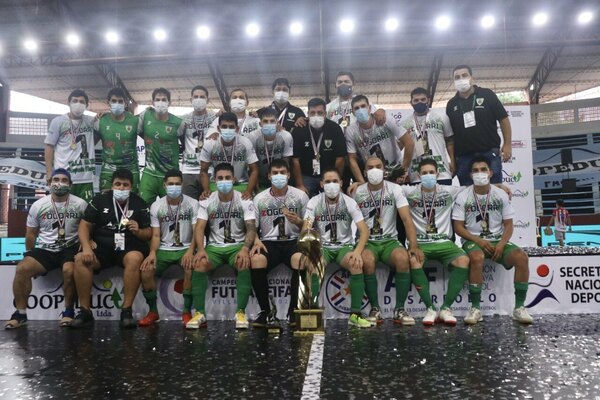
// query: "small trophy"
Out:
[177,237]
[377,231]
[227,234]
[485,227]
[281,229]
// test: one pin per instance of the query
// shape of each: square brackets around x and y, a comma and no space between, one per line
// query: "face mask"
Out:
[279,180]
[420,108]
[174,191]
[428,181]
[59,189]
[462,85]
[199,104]
[227,134]
[238,105]
[375,176]
[224,186]
[332,189]
[121,195]
[344,90]
[362,115]
[281,97]
[316,121]
[269,130]
[117,109]
[77,109]
[161,107]
[481,178]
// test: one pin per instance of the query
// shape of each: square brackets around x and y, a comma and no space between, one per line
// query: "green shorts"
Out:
[469,247]
[151,187]
[240,187]
[336,254]
[220,255]
[382,250]
[106,179]
[166,258]
[445,252]
[83,190]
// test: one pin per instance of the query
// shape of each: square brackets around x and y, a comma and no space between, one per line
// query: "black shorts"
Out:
[51,260]
[280,252]
[111,258]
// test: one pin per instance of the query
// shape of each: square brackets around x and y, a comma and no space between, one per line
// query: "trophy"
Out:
[309,317]
[177,236]
[485,226]
[376,230]
[273,325]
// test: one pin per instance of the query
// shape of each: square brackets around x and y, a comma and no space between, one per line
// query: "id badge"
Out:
[119,241]
[316,164]
[419,149]
[469,119]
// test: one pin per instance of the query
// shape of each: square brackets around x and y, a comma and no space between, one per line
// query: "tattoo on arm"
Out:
[250,234]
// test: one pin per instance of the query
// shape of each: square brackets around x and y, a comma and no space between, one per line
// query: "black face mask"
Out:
[420,108]
[344,90]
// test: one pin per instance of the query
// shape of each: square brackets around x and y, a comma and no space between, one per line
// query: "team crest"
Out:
[105,211]
[169,128]
[128,128]
[291,115]
[328,143]
[480,101]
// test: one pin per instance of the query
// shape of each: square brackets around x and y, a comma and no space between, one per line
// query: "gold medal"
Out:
[284,209]
[61,232]
[124,221]
[344,123]
[73,146]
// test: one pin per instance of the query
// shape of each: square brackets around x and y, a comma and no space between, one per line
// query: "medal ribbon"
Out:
[227,219]
[316,146]
[61,223]
[281,116]
[74,130]
[421,129]
[483,213]
[123,213]
[278,199]
[233,146]
[267,149]
[170,210]
[428,213]
[380,211]
[331,221]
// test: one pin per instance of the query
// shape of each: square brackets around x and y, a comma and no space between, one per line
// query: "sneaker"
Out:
[401,317]
[150,319]
[199,321]
[375,317]
[520,314]
[430,316]
[240,320]
[473,316]
[273,324]
[67,318]
[446,317]
[17,320]
[261,319]
[84,319]
[358,320]
[185,317]
[127,320]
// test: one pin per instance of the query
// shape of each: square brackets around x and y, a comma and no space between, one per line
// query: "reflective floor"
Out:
[556,358]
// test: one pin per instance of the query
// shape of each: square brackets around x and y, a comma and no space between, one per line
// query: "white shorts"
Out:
[559,235]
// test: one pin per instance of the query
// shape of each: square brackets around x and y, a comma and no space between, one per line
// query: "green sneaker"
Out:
[358,320]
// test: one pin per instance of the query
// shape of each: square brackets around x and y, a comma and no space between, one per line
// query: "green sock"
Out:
[315,286]
[187,300]
[199,286]
[244,287]
[357,289]
[422,284]
[520,293]
[475,293]
[402,288]
[150,296]
[458,276]
[371,289]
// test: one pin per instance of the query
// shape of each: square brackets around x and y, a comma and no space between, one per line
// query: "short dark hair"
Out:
[173,173]
[427,161]
[161,90]
[224,167]
[268,112]
[278,163]
[480,159]
[331,169]
[117,92]
[345,73]
[357,98]
[122,173]
[281,81]
[560,202]
[419,90]
[462,66]
[228,117]
[316,101]
[79,93]
[199,87]
[240,90]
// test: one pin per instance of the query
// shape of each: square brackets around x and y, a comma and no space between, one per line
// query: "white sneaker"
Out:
[446,316]
[241,322]
[430,316]
[473,316]
[375,317]
[401,317]
[197,322]
[520,314]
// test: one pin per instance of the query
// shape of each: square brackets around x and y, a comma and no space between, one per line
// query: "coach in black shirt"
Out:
[317,146]
[473,113]
[287,114]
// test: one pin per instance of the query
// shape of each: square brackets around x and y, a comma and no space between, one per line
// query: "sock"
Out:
[199,286]
[371,289]
[150,296]
[187,300]
[294,283]
[69,312]
[244,287]
[261,288]
[402,288]
[475,292]
[22,311]
[315,286]
[357,289]
[458,276]
[520,293]
[422,284]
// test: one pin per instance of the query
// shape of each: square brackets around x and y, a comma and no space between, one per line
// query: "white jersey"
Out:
[248,124]
[379,215]
[269,150]
[43,215]
[271,222]
[240,154]
[197,129]
[496,209]
[73,142]
[437,218]
[176,222]
[334,217]
[226,220]
[378,141]
[429,133]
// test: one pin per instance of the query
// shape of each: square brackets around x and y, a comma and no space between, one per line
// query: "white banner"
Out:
[26,173]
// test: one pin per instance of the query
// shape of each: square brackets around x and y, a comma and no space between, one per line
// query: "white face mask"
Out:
[375,176]
[332,189]
[281,97]
[77,109]
[238,105]
[199,104]
[462,85]
[481,178]
[316,121]
[161,107]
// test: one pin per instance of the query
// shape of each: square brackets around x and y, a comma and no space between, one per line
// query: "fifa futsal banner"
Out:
[25,173]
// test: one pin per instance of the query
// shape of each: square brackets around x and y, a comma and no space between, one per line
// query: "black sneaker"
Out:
[17,320]
[273,322]
[84,319]
[261,319]
[127,320]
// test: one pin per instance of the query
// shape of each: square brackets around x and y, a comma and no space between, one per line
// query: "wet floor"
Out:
[556,358]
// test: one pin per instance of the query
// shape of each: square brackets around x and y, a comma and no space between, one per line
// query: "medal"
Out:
[484,226]
[284,209]
[73,146]
[344,123]
[176,236]
[124,221]
[61,232]
[61,221]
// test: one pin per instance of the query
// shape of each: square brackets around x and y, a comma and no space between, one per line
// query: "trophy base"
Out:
[309,322]
[273,329]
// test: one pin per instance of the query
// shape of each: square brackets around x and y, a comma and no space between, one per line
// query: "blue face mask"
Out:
[228,134]
[224,186]
[420,108]
[362,115]
[174,191]
[117,109]
[121,195]
[269,130]
[279,180]
[428,181]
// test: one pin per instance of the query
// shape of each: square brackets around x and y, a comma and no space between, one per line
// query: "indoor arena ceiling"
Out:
[556,59]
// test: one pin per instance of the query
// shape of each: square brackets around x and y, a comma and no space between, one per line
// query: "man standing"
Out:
[286,113]
[118,133]
[560,218]
[70,145]
[172,219]
[53,220]
[473,113]
[239,103]
[114,231]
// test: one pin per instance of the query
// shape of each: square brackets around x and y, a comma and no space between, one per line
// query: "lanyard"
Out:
[472,107]
[61,222]
[227,219]
[482,210]
[243,125]
[281,116]
[232,151]
[380,211]
[363,135]
[428,213]
[316,146]
[123,210]
[421,129]
[278,199]
[200,125]
[331,219]
[74,130]
[170,210]
[267,149]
